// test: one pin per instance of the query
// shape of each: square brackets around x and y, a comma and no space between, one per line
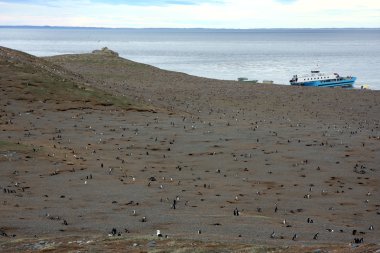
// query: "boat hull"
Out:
[344,82]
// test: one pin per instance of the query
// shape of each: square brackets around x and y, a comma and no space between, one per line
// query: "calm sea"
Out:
[271,54]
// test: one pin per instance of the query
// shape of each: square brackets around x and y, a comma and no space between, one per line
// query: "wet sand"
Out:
[216,162]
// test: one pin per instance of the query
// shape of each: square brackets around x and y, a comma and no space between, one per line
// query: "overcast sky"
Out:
[193,13]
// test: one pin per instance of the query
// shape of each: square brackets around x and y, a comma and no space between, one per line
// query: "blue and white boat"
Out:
[317,79]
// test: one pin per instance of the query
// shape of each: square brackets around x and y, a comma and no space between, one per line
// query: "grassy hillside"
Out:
[105,65]
[35,79]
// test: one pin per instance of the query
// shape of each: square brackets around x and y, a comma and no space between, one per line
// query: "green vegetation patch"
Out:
[161,245]
[69,91]
[11,146]
[36,84]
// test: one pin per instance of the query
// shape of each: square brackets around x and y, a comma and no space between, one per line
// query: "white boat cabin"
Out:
[315,76]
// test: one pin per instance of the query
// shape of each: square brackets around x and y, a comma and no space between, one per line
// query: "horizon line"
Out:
[186,28]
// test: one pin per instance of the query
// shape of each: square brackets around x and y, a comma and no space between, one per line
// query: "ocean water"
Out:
[260,54]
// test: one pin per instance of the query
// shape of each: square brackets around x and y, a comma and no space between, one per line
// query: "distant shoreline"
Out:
[188,29]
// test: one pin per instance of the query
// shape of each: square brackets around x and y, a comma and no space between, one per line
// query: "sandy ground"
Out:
[242,164]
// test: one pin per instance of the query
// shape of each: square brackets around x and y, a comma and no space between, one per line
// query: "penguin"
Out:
[174,204]
[295,236]
[273,235]
[236,212]
[357,240]
[316,236]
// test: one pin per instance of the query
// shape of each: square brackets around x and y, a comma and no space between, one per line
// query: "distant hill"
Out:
[105,65]
[26,77]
